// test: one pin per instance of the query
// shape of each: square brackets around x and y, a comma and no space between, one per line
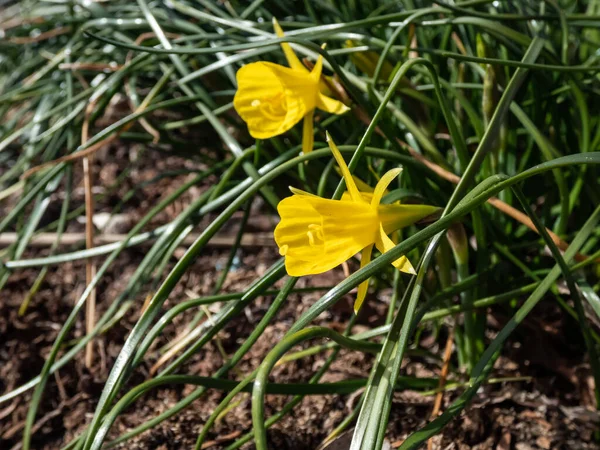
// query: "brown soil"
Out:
[552,410]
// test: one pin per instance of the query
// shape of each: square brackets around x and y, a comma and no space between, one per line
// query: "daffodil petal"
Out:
[360,184]
[350,185]
[271,98]
[315,73]
[331,105]
[382,185]
[384,244]
[396,216]
[367,196]
[364,286]
[325,84]
[308,138]
[290,55]
[301,192]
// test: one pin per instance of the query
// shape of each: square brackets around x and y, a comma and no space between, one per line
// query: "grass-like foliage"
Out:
[490,108]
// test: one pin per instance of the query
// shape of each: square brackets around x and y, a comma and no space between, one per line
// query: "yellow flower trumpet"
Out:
[317,234]
[271,98]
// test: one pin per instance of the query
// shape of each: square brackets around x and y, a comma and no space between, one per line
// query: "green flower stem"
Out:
[396,286]
[457,238]
[584,139]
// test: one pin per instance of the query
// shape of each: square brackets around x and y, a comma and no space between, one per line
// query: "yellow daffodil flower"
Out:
[317,234]
[271,98]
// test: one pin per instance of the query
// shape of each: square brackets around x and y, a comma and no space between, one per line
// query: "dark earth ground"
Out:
[551,410]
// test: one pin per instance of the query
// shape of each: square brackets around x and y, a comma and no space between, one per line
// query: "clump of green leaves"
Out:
[491,107]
